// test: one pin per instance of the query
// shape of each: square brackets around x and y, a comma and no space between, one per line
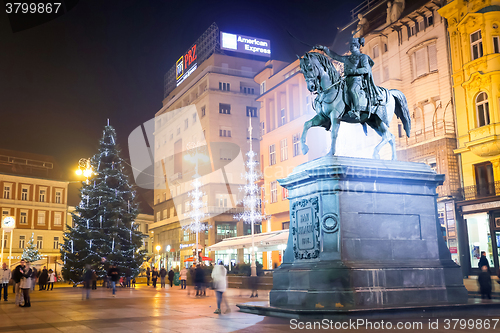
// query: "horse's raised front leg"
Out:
[334,131]
[304,147]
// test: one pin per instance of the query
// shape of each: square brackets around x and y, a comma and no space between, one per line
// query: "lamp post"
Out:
[158,248]
[84,168]
[168,255]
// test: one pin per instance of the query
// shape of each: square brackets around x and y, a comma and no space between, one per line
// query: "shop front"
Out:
[481,225]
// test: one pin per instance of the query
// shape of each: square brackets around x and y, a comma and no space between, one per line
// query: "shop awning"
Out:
[264,242]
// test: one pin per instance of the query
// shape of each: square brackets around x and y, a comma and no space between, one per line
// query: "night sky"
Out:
[61,80]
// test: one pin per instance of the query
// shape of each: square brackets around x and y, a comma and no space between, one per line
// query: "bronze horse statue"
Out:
[332,106]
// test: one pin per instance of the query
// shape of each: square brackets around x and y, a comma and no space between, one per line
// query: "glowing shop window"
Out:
[478,227]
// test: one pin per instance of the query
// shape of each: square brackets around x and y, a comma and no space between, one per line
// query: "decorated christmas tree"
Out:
[30,252]
[104,229]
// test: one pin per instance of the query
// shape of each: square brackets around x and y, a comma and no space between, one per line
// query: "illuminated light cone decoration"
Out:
[251,202]
[103,222]
[196,213]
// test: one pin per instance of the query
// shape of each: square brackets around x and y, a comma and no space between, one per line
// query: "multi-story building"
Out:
[33,193]
[474,35]
[202,130]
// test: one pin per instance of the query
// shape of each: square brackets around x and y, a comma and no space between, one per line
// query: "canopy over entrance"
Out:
[268,241]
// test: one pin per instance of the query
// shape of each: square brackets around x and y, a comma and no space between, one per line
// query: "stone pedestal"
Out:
[364,233]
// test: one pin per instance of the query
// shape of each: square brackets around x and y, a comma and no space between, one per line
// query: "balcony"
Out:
[482,191]
[439,129]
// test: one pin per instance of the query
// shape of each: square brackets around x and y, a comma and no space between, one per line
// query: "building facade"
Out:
[202,130]
[474,34]
[36,197]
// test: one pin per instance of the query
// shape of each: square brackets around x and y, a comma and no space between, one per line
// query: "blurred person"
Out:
[5,276]
[148,275]
[219,282]
[163,274]
[42,279]
[190,279]
[114,277]
[94,280]
[25,285]
[253,284]
[483,261]
[128,277]
[183,277]
[171,275]
[17,276]
[51,280]
[199,281]
[133,282]
[87,280]
[154,276]
[33,279]
[484,282]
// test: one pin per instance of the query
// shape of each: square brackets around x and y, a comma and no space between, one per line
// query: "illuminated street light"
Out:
[85,169]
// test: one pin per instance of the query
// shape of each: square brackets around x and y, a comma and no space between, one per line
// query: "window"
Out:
[186,124]
[42,195]
[41,218]
[375,51]
[39,242]
[21,241]
[283,150]
[496,44]
[263,87]
[272,155]
[225,230]
[411,31]
[430,20]
[24,193]
[224,108]
[5,212]
[24,217]
[56,243]
[421,26]
[284,193]
[57,219]
[285,225]
[224,86]
[400,131]
[157,198]
[385,48]
[225,132]
[262,128]
[485,181]
[194,117]
[247,90]
[482,109]
[476,45]
[251,111]
[274,191]
[146,228]
[178,130]
[424,60]
[58,196]
[221,200]
[282,117]
[187,206]
[158,216]
[6,191]
[203,111]
[296,141]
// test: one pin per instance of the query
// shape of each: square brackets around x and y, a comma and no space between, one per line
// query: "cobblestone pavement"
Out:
[145,309]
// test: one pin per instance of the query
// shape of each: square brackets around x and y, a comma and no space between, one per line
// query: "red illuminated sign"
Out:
[185,62]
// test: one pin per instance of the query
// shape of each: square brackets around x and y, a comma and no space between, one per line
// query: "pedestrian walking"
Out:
[42,280]
[114,276]
[25,285]
[17,276]
[183,277]
[87,280]
[163,274]
[190,279]
[219,284]
[484,282]
[171,275]
[253,283]
[51,280]
[94,280]
[5,276]
[154,276]
[483,261]
[148,275]
[33,279]
[199,281]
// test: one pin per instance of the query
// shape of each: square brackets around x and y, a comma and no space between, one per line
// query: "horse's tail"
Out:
[401,110]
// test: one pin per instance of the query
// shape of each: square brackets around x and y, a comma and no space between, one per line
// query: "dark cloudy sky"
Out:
[61,80]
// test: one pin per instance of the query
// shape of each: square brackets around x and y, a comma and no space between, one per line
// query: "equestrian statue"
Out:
[353,98]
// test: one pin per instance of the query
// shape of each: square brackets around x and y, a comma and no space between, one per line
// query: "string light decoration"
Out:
[196,214]
[30,252]
[251,201]
[103,222]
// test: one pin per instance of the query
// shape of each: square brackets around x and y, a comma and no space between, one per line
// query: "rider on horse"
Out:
[358,73]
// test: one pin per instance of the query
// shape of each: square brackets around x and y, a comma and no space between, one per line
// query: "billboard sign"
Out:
[245,44]
[186,65]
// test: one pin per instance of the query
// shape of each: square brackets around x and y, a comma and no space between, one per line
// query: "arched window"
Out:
[482,109]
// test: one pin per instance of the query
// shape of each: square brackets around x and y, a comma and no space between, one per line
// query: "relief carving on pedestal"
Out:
[305,228]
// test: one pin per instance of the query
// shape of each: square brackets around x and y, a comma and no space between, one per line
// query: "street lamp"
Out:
[84,168]
[168,254]
[158,248]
